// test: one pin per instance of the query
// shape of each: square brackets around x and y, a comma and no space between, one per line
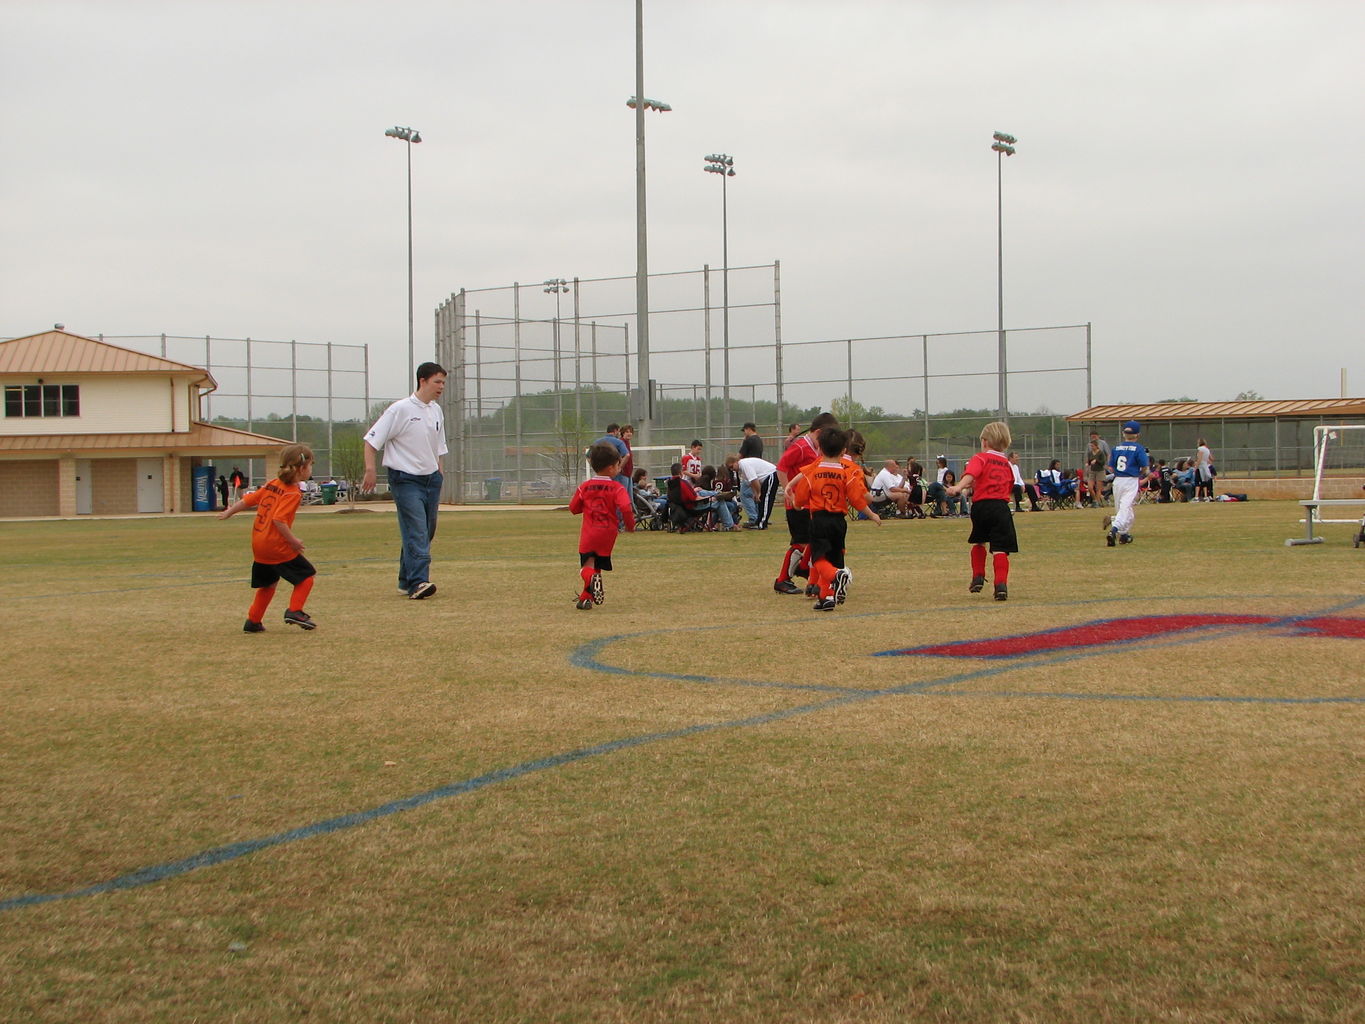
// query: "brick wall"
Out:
[29,488]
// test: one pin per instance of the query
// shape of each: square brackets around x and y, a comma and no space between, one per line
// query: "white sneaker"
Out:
[842,578]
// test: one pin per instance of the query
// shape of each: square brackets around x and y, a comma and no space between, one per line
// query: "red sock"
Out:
[789,562]
[587,572]
[978,559]
[1002,567]
[260,604]
[300,594]
[805,558]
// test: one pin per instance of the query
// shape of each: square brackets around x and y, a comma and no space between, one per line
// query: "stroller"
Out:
[1056,494]
[649,511]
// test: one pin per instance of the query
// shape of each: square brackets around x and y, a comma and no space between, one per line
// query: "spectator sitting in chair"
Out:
[723,498]
[889,488]
[644,485]
[957,506]
[1182,480]
[1020,488]
[684,504]
[936,492]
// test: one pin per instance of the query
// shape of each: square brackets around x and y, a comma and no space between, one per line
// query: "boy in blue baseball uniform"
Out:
[1128,462]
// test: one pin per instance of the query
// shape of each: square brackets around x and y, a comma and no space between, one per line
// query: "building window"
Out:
[36,401]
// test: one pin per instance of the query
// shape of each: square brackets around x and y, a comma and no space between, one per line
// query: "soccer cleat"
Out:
[423,589]
[595,588]
[825,604]
[786,587]
[1125,538]
[253,627]
[584,603]
[812,590]
[977,583]
[1002,592]
[300,618]
[404,592]
[1110,538]
[842,578]
[1107,521]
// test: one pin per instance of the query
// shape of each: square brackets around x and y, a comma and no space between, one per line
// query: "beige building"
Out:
[91,428]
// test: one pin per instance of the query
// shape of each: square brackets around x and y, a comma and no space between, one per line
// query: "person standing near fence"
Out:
[412,434]
[752,445]
[1128,462]
[1203,472]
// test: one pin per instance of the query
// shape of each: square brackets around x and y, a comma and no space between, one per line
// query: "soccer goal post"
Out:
[1335,449]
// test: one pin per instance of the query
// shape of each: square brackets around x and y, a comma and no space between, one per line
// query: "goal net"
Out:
[1338,451]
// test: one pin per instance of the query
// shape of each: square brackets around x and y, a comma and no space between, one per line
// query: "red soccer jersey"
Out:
[597,501]
[991,476]
[277,501]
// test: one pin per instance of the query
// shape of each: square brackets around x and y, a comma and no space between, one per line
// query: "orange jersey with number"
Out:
[832,488]
[276,502]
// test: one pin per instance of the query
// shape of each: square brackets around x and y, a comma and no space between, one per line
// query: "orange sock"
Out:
[822,575]
[300,594]
[1002,567]
[264,595]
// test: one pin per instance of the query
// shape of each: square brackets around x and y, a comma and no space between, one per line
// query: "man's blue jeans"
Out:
[748,502]
[418,499]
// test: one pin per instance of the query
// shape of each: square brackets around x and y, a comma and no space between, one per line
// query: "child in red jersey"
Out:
[827,488]
[598,501]
[277,554]
[990,479]
[800,452]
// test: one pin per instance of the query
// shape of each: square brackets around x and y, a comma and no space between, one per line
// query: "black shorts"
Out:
[294,571]
[993,524]
[798,524]
[828,534]
[600,562]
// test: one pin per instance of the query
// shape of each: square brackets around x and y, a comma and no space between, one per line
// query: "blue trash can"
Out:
[202,490]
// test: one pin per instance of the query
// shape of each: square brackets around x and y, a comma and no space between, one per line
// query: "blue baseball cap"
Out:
[1132,427]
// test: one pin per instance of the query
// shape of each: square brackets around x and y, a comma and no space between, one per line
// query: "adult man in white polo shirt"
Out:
[412,433]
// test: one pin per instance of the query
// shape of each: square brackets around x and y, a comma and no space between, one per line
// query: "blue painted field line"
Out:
[586,656]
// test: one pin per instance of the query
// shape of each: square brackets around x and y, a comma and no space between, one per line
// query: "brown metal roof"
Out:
[61,352]
[200,439]
[1340,408]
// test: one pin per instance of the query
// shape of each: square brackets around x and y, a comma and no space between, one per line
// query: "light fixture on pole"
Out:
[1003,146]
[639,103]
[558,286]
[408,135]
[724,165]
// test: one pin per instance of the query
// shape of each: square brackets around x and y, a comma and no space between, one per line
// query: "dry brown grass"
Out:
[1066,837]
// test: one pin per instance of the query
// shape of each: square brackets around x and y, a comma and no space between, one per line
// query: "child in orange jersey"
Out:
[827,488]
[989,477]
[599,500]
[276,553]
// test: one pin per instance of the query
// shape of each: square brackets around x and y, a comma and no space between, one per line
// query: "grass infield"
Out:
[697,802]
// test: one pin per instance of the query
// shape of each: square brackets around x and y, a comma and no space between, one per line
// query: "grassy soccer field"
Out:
[697,802]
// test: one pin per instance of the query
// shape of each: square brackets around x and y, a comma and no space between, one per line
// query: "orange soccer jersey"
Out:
[275,502]
[831,488]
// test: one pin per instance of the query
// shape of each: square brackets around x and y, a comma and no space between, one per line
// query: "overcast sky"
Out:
[1188,175]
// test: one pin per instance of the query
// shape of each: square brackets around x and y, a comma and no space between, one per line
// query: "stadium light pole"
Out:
[1003,146]
[640,104]
[724,165]
[408,135]
[558,286]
